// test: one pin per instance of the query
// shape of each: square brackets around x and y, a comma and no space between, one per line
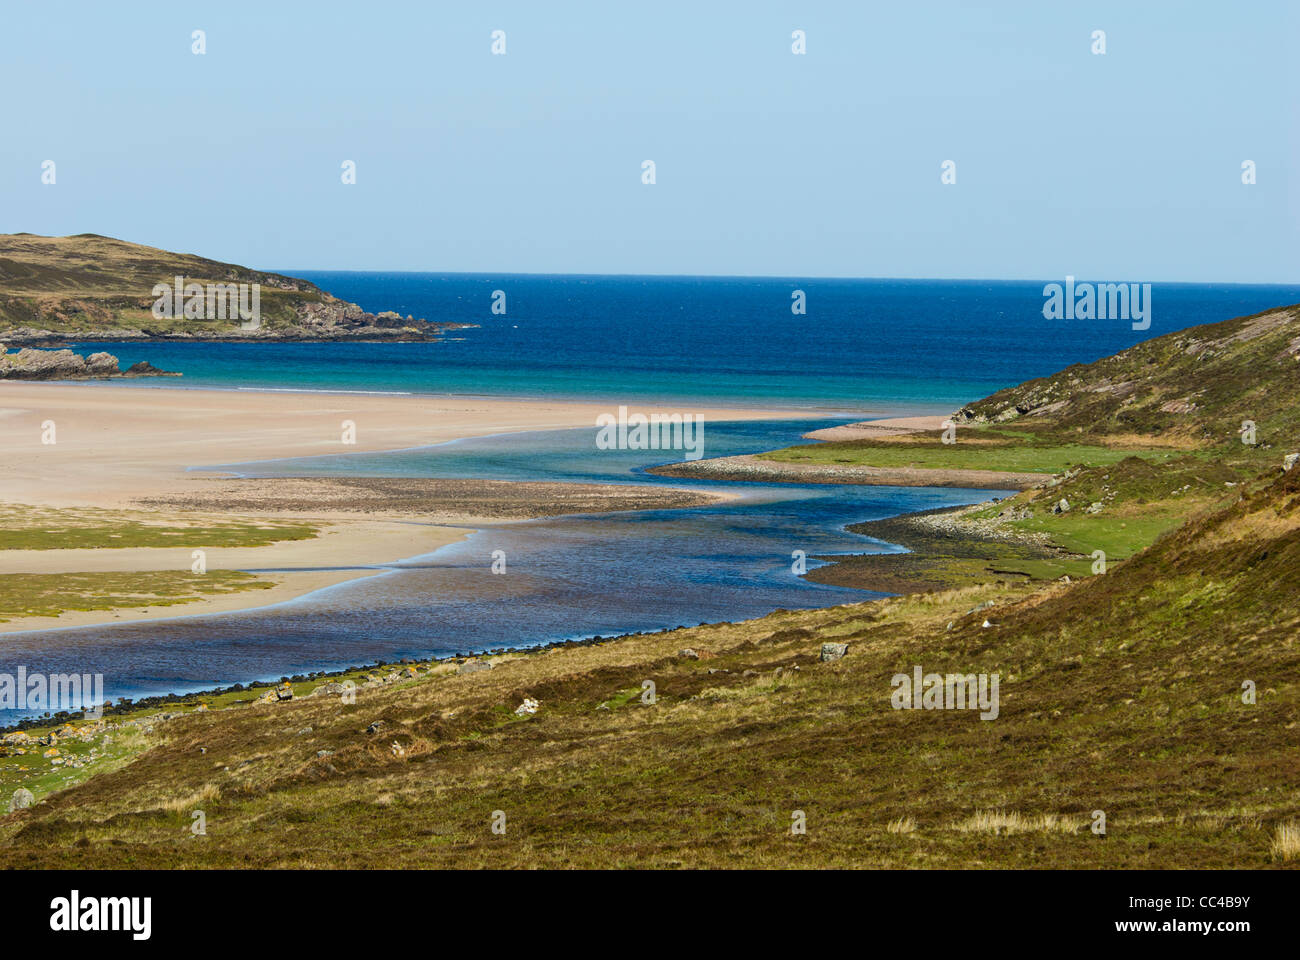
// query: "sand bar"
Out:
[116,446]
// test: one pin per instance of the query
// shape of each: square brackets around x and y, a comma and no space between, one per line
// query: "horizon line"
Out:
[298,271]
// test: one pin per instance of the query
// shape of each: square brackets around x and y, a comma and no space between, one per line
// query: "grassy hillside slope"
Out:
[1193,388]
[1122,693]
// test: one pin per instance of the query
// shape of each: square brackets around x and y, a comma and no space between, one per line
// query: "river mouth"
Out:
[561,578]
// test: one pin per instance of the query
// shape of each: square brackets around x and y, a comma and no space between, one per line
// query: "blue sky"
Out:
[1122,166]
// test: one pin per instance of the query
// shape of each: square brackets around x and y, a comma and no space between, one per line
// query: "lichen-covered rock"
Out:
[833,651]
[101,365]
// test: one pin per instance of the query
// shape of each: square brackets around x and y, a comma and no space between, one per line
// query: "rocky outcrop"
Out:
[324,319]
[29,364]
[332,319]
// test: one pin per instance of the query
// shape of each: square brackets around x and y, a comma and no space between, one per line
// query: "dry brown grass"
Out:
[189,802]
[1286,841]
[1005,823]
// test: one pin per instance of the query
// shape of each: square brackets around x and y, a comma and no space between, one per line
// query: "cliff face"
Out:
[96,288]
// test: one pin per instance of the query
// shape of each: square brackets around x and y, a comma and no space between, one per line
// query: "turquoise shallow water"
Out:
[568,577]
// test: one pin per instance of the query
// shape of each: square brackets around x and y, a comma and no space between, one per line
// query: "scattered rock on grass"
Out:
[833,651]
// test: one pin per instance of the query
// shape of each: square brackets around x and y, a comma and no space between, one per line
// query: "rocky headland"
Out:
[88,287]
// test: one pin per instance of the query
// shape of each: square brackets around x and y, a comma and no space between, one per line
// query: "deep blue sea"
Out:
[863,345]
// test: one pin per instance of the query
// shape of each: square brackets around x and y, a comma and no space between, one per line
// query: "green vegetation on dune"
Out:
[35,528]
[975,449]
[50,594]
[131,534]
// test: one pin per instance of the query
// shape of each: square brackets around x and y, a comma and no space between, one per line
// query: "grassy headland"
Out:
[89,287]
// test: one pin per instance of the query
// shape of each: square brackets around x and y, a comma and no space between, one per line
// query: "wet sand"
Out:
[122,448]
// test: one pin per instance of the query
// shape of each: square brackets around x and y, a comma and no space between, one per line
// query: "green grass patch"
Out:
[50,594]
[25,528]
[1001,454]
[1118,536]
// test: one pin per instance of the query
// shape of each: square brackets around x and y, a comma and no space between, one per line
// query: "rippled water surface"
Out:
[565,577]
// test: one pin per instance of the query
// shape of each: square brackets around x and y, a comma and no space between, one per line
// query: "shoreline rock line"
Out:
[30,364]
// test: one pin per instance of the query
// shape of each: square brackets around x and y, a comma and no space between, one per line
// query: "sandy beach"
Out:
[135,450]
[876,429]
